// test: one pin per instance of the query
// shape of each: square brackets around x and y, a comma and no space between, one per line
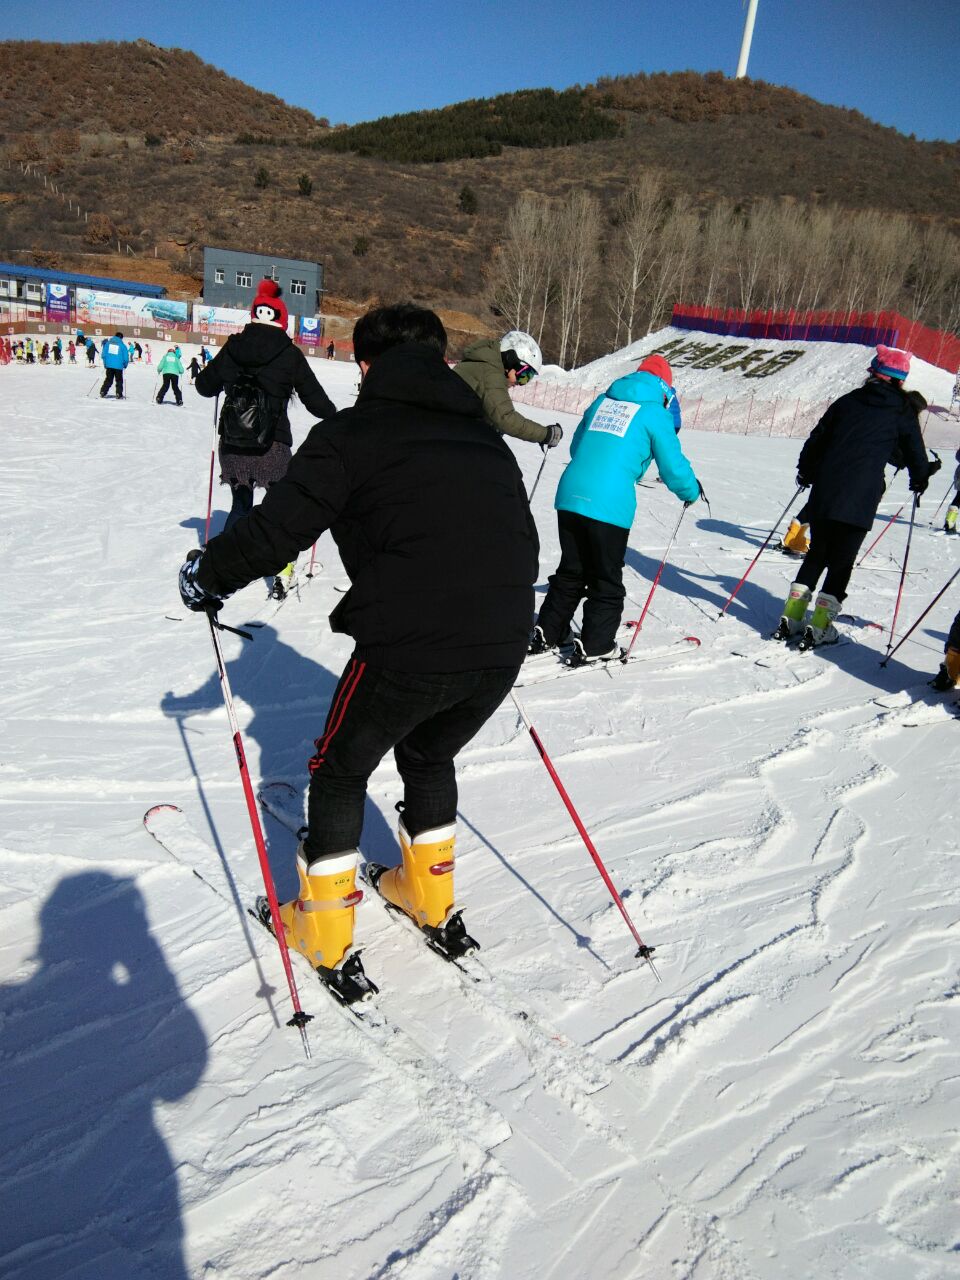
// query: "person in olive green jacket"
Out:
[493,365]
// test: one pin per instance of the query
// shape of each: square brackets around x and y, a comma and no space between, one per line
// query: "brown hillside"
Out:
[386,229]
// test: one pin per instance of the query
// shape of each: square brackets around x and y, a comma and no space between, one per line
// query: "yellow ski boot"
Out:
[795,539]
[422,888]
[319,923]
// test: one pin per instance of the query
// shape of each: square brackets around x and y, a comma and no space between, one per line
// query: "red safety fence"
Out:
[865,327]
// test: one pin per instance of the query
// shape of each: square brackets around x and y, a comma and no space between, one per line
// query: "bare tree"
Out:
[717,236]
[633,253]
[753,252]
[521,272]
[578,249]
[675,262]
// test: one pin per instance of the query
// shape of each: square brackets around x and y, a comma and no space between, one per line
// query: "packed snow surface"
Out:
[782,1105]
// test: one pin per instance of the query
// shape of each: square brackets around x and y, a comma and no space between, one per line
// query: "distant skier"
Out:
[843,460]
[115,357]
[264,367]
[45,353]
[953,511]
[949,674]
[416,491]
[204,356]
[148,354]
[331,350]
[490,367]
[91,348]
[621,433]
[194,367]
[58,351]
[72,351]
[171,370]
[138,351]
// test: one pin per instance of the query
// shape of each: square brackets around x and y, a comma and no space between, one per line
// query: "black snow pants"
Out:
[833,546]
[591,565]
[114,376]
[426,719]
[171,382]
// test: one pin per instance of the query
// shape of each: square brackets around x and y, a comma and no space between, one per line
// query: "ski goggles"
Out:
[525,374]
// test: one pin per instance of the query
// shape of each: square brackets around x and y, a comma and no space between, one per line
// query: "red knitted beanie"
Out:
[268,307]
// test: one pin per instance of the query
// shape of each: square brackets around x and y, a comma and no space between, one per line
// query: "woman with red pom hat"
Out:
[264,352]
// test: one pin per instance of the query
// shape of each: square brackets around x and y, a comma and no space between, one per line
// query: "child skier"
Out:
[949,674]
[622,432]
[171,370]
[843,461]
[950,524]
[414,486]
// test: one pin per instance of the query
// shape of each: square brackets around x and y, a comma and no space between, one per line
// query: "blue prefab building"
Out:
[25,284]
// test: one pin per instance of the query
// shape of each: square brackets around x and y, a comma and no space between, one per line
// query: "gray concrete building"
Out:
[230,279]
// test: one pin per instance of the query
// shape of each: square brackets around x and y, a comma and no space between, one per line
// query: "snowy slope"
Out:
[781,826]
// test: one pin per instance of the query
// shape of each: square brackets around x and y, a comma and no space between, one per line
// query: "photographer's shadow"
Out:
[90,1042]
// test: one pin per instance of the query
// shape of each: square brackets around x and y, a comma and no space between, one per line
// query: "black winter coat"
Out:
[427,507]
[845,454]
[281,368]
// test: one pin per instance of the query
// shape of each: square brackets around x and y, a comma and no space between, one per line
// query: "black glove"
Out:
[801,483]
[919,487]
[554,436]
[935,466]
[191,593]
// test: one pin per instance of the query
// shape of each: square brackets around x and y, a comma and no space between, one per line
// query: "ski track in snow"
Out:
[782,1105]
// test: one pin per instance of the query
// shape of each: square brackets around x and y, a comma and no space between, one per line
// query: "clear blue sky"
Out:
[898,63]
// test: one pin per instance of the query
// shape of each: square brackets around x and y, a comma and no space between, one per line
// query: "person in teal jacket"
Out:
[622,432]
[171,369]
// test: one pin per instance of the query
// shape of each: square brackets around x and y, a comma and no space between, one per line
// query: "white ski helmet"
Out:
[522,347]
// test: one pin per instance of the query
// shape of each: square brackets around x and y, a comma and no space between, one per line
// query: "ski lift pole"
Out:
[653,586]
[644,951]
[893,519]
[906,635]
[903,571]
[299,1019]
[213,458]
[539,474]
[763,547]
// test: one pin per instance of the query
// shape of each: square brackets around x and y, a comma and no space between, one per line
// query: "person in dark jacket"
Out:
[427,507]
[194,367]
[280,368]
[843,462]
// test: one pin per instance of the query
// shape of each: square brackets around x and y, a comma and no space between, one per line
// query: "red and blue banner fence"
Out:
[864,327]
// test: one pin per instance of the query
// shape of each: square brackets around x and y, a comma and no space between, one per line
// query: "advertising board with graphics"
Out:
[95,307]
[225,320]
[57,303]
[309,333]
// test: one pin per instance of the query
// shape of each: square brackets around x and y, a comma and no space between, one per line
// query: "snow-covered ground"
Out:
[783,1105]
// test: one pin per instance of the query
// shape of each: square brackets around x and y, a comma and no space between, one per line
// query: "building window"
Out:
[244,279]
[33,291]
[299,286]
[274,276]
[218,275]
[5,288]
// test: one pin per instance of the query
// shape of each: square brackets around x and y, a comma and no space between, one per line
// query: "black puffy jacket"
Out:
[845,454]
[427,507]
[280,368]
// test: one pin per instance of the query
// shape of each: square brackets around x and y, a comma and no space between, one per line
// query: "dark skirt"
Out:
[257,470]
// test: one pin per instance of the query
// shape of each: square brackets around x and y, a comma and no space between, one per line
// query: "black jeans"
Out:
[426,719]
[833,546]
[113,376]
[242,505]
[171,382]
[591,565]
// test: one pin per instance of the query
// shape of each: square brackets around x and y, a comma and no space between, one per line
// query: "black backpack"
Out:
[248,419]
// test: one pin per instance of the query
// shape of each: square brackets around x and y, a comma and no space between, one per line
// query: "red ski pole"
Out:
[763,548]
[903,571]
[313,556]
[891,521]
[643,951]
[299,1019]
[911,629]
[653,586]
[213,458]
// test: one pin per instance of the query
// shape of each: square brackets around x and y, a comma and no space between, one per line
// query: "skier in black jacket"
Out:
[280,368]
[427,507]
[843,461]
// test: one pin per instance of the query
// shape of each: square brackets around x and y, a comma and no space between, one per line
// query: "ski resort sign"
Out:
[747,358]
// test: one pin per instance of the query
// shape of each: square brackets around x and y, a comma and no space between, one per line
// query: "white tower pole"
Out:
[747,39]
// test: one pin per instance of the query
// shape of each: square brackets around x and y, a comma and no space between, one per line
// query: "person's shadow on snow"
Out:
[289,695]
[88,1045]
[753,603]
